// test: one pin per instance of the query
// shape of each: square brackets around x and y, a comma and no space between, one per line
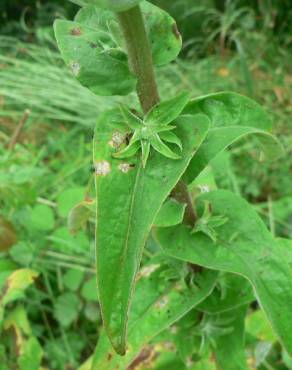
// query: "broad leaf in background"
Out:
[245,247]
[232,117]
[124,188]
[229,349]
[157,304]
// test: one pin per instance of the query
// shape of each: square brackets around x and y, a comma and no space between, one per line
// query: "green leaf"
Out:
[104,70]
[170,214]
[31,355]
[232,291]
[145,145]
[89,290]
[73,279]
[229,349]
[131,119]
[233,116]
[170,138]
[124,188]
[157,304]
[167,111]
[91,49]
[258,326]
[42,218]
[68,199]
[29,352]
[164,37]
[244,247]
[67,307]
[162,148]
[23,253]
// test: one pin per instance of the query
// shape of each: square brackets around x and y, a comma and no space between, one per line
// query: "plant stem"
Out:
[140,56]
[141,64]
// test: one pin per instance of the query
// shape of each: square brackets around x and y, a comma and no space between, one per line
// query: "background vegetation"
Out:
[46,126]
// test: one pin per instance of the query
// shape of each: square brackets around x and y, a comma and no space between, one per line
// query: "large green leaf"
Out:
[157,304]
[128,200]
[84,48]
[245,247]
[229,349]
[232,117]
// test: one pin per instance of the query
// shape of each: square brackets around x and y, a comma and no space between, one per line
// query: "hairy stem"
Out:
[140,56]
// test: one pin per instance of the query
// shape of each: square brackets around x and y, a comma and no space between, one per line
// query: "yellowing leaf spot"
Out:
[102,168]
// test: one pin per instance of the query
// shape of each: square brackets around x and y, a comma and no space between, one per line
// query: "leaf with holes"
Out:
[232,117]
[245,247]
[157,304]
[128,200]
